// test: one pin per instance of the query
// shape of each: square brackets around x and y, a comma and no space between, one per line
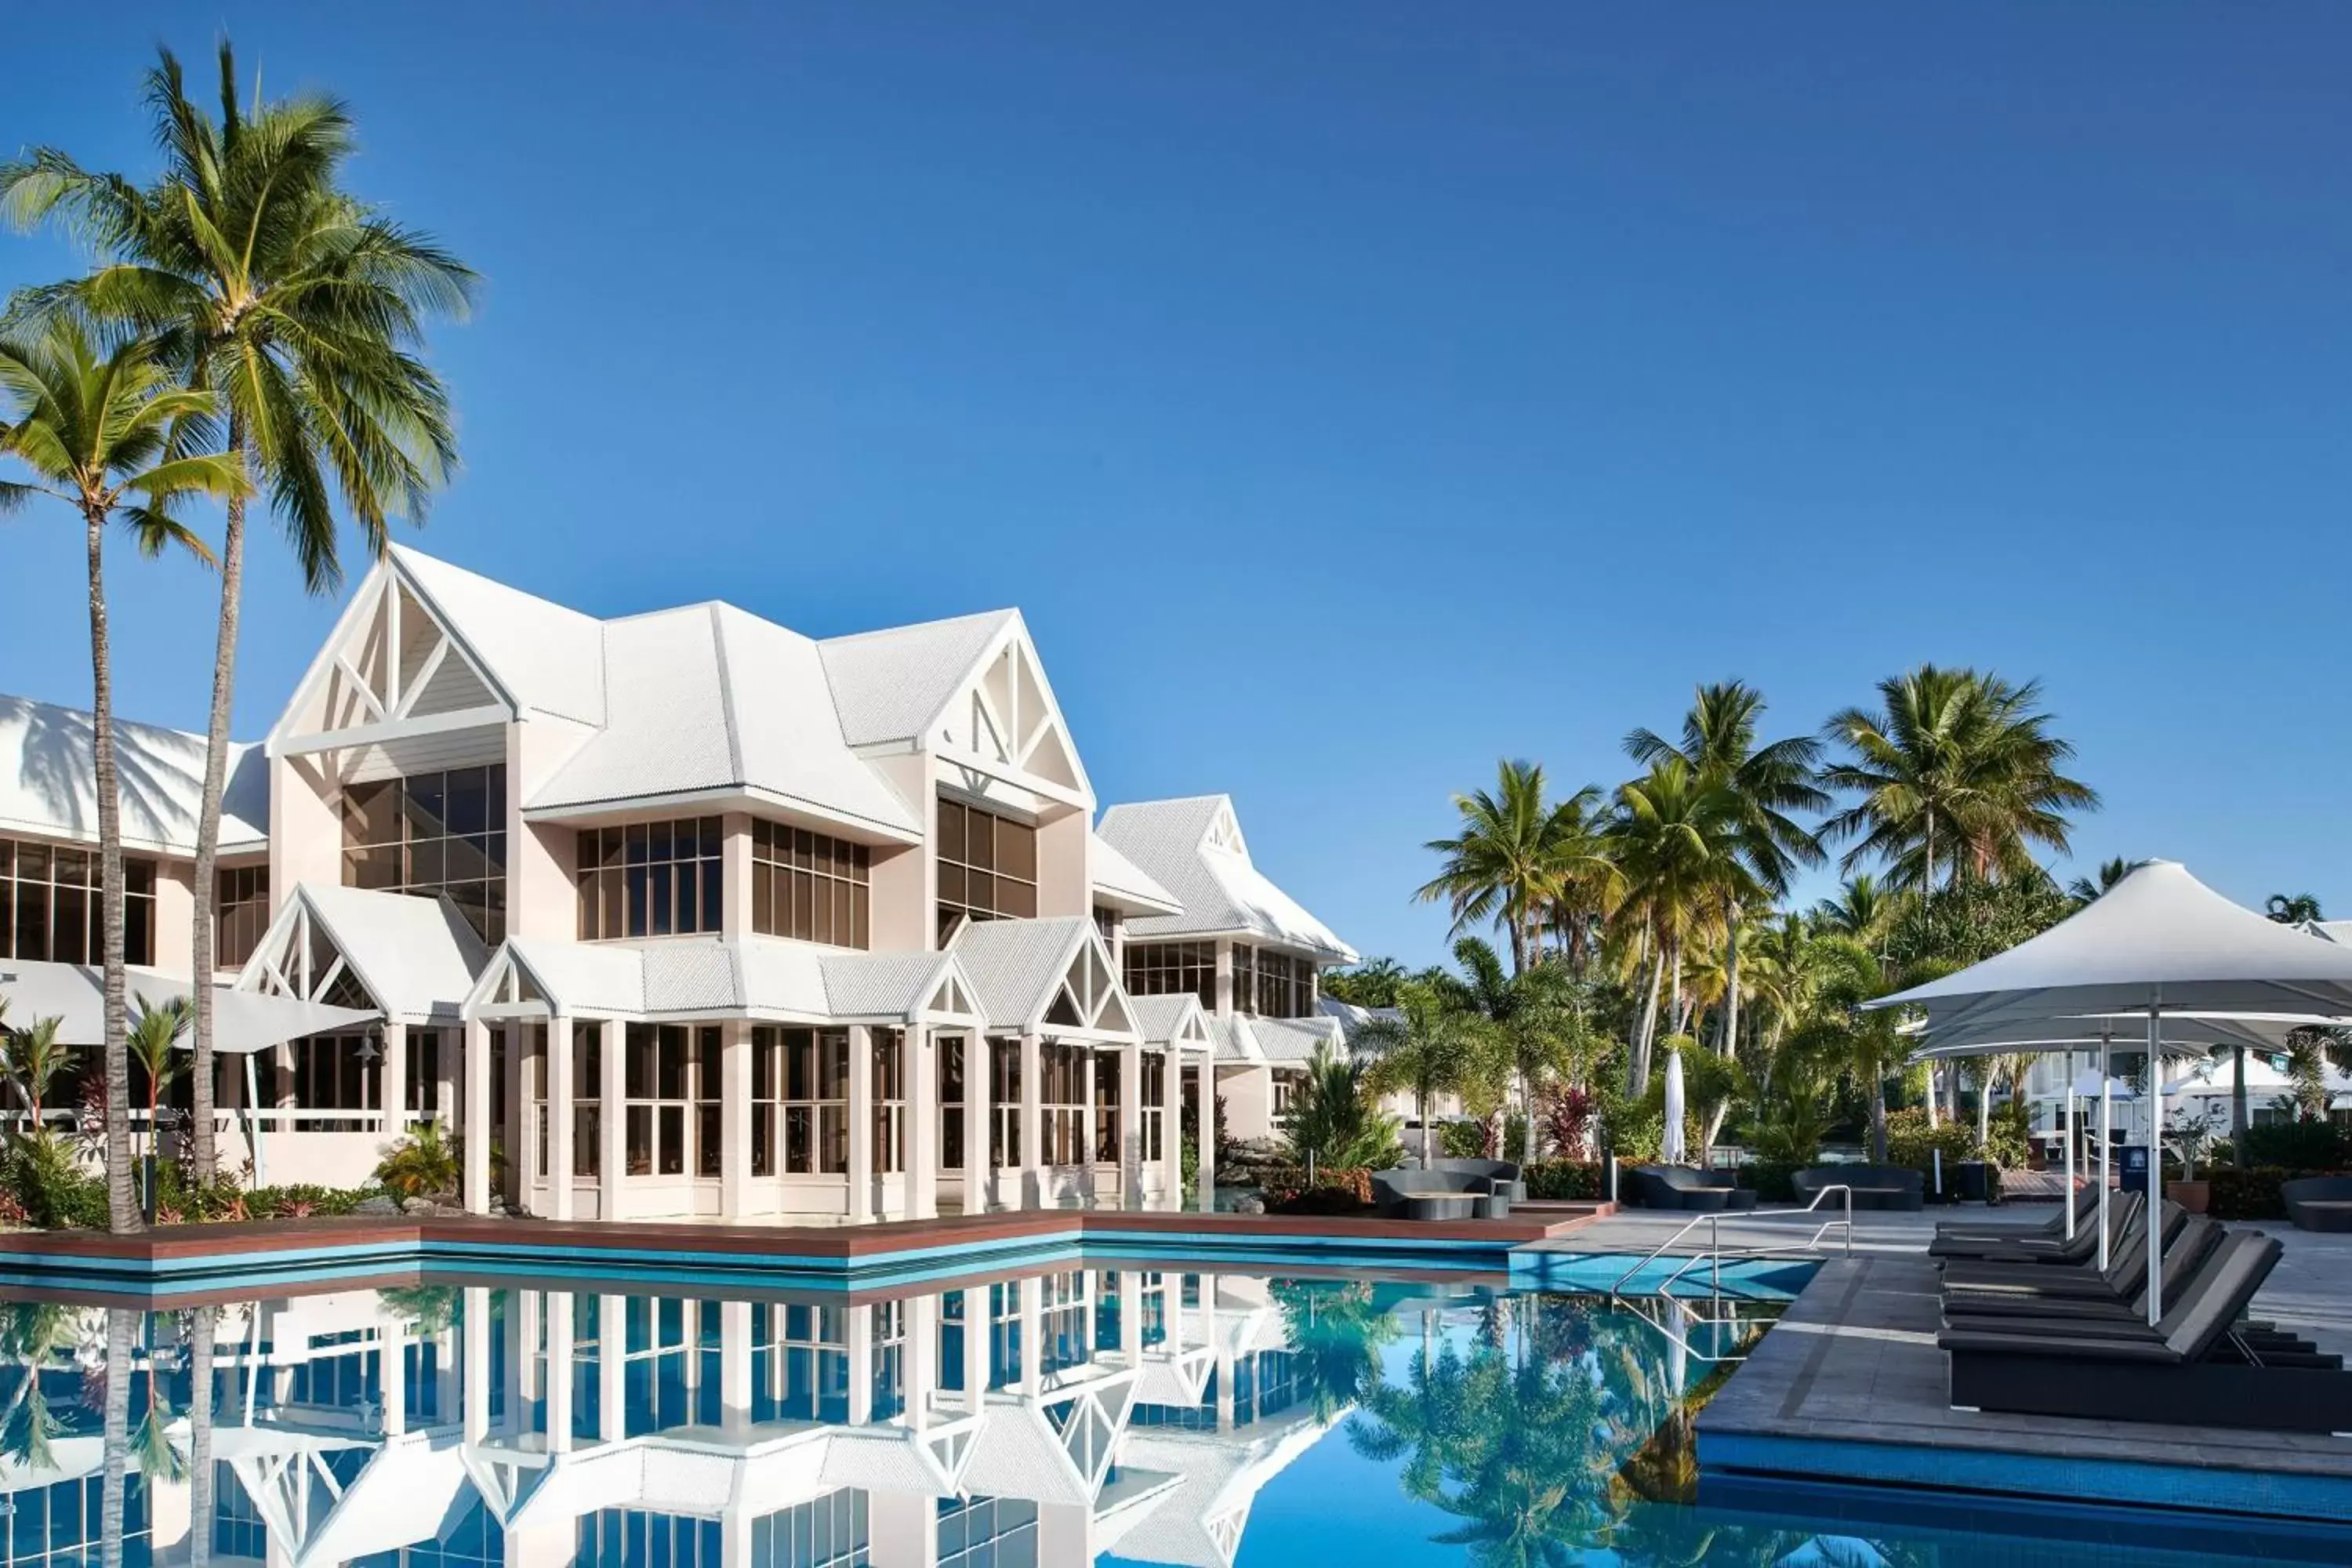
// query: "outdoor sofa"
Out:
[2319,1202]
[1439,1195]
[1874,1186]
[1503,1174]
[1680,1187]
[2201,1366]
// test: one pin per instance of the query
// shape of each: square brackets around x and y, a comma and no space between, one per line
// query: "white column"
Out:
[1171,1129]
[561,1092]
[392,1080]
[1033,1332]
[860,1324]
[477,1381]
[479,1132]
[1207,1200]
[861,1123]
[1131,1315]
[392,1372]
[735,1366]
[921,1064]
[522,1139]
[979,1164]
[1087,1133]
[612,1131]
[563,1336]
[918,1362]
[612,1367]
[445,1076]
[1032,1193]
[1131,1125]
[735,1116]
[976,1326]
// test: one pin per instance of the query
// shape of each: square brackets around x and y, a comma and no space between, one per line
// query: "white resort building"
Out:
[687,915]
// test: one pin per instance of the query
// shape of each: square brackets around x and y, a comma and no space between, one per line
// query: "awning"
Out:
[243,1021]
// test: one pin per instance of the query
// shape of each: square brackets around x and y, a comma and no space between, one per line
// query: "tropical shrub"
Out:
[1774,1180]
[1790,1128]
[1566,1180]
[1333,1190]
[2007,1147]
[425,1164]
[42,1172]
[1911,1141]
[1333,1121]
[1571,1114]
[2311,1145]
[2250,1192]
[1474,1139]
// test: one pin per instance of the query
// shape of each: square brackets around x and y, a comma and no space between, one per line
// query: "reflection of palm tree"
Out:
[200,1436]
[1337,1332]
[120,1327]
[160,1459]
[31,1335]
[1509,1448]
[427,1308]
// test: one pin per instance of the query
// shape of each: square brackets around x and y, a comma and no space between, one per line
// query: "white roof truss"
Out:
[297,957]
[393,670]
[1088,1001]
[1003,724]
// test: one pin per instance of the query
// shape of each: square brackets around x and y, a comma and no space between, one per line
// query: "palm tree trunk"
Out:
[119,1353]
[1729,1042]
[1528,1133]
[200,1439]
[121,1202]
[2238,1106]
[1878,1119]
[1673,956]
[208,817]
[1637,1076]
[1428,1133]
[1984,1109]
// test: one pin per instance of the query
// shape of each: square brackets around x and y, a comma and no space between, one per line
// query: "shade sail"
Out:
[2158,937]
[2182,1034]
[243,1021]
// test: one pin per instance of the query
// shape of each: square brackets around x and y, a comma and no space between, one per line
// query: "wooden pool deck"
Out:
[1850,1388]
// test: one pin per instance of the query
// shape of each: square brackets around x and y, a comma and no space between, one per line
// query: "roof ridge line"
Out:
[727,713]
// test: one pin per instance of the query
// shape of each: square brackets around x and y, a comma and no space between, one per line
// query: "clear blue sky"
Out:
[1353,395]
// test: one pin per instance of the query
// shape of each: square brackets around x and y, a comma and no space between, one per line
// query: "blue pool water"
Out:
[1110,1411]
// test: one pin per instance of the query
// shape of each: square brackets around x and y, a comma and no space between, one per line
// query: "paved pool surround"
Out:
[193,1259]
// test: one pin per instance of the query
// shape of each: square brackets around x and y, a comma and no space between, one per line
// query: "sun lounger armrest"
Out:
[2152,1353]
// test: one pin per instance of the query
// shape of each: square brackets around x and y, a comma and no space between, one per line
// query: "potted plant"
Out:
[2191,1134]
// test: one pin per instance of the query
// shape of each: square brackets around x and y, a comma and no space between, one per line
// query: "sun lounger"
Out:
[2188,1371]
[2087,1210]
[2118,1295]
[2042,1272]
[2084,1248]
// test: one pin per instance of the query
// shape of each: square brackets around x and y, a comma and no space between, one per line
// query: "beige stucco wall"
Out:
[1062,885]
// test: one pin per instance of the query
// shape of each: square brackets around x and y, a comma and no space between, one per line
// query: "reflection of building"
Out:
[685,914]
[1043,1420]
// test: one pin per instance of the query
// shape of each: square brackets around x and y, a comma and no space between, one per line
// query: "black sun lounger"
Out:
[2118,1295]
[2083,1251]
[2190,1370]
[2086,1210]
[2129,1240]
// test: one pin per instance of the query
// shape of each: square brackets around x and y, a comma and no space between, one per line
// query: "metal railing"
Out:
[1713,1257]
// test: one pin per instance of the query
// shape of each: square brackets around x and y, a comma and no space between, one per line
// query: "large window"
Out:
[1004,1104]
[809,886]
[434,833]
[1172,968]
[1062,1104]
[988,867]
[51,909]
[1108,1089]
[1269,985]
[650,878]
[1155,1099]
[952,1058]
[240,913]
[800,1101]
[670,1080]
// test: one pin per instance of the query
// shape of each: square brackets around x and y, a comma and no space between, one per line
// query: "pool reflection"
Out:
[1056,1417]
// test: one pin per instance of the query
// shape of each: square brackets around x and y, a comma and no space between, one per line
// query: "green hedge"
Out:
[2252,1193]
[1563,1181]
[1284,1188]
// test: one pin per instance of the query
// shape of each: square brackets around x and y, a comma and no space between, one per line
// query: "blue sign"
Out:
[2134,1167]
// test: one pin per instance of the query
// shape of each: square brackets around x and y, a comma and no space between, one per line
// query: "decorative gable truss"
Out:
[392,672]
[1088,999]
[297,957]
[1004,725]
[1224,832]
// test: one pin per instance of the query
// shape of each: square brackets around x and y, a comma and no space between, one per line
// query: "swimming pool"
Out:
[1072,1410]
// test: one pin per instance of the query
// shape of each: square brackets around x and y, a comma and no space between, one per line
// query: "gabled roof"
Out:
[889,685]
[724,977]
[48,781]
[542,655]
[711,699]
[1177,1020]
[1194,847]
[416,957]
[1280,1042]
[1121,883]
[1051,975]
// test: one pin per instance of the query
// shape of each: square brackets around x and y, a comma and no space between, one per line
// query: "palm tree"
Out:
[1534,1015]
[1863,909]
[1427,1047]
[2293,909]
[122,1330]
[1334,1123]
[1766,782]
[155,1033]
[1867,1044]
[1513,858]
[1678,838]
[103,427]
[35,1057]
[2083,890]
[1956,770]
[301,310]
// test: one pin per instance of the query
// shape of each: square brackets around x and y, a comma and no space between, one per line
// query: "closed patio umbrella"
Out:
[2159,942]
[1672,1149]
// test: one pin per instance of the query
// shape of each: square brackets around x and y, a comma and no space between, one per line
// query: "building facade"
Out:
[687,915]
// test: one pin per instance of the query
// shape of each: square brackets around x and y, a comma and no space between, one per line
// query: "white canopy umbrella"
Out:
[2157,939]
[1671,1149]
[243,1021]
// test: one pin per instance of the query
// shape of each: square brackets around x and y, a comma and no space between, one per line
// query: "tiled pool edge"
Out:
[184,1260]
